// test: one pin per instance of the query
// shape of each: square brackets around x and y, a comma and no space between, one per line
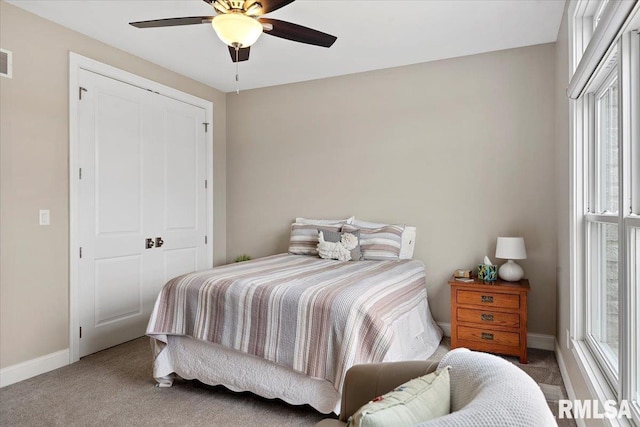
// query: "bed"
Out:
[290,326]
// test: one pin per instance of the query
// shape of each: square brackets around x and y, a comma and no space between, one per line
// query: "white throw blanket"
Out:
[488,391]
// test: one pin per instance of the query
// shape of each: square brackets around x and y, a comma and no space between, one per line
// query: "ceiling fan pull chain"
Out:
[237,69]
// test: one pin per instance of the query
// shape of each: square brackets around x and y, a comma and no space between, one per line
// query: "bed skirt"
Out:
[415,337]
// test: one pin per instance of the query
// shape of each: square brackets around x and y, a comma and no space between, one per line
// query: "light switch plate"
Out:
[44,217]
[6,63]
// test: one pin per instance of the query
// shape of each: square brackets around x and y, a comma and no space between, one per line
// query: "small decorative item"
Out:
[462,274]
[511,248]
[487,272]
[243,257]
[337,250]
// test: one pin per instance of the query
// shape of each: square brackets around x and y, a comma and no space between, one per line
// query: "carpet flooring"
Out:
[114,387]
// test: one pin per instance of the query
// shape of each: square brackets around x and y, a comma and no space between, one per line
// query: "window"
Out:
[606,250]
[602,221]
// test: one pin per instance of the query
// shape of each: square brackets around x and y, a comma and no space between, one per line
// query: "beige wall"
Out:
[34,276]
[462,148]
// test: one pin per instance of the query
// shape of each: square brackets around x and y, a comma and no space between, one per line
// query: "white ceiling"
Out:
[372,34]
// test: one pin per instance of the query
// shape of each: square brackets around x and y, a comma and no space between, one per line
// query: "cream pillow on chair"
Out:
[421,399]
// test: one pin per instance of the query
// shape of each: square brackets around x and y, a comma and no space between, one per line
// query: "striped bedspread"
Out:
[315,316]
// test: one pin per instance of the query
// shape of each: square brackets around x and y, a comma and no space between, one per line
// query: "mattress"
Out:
[290,326]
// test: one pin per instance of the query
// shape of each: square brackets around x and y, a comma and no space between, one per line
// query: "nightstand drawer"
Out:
[489,299]
[488,336]
[489,318]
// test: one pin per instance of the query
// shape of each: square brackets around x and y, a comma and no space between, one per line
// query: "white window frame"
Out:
[610,73]
[594,216]
[617,26]
[597,15]
[630,204]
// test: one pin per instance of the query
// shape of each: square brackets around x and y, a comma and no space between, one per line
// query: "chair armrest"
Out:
[363,383]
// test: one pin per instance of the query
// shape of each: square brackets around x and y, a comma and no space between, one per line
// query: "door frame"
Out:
[76,63]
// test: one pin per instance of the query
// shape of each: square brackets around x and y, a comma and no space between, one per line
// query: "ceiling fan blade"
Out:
[267,5]
[297,33]
[243,54]
[172,22]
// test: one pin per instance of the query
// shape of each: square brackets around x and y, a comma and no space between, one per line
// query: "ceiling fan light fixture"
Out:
[237,29]
[254,9]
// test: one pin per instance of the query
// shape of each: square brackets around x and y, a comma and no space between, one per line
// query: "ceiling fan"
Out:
[238,24]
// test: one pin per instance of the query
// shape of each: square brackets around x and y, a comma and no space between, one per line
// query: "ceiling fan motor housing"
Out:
[236,4]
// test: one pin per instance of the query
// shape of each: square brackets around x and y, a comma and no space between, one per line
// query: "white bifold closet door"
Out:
[143,171]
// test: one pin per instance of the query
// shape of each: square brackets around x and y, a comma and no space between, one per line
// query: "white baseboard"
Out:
[539,341]
[25,370]
[571,394]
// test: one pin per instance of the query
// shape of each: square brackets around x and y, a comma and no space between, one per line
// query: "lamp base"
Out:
[510,271]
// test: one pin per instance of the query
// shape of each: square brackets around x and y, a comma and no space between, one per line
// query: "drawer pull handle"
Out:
[486,336]
[487,317]
[486,298]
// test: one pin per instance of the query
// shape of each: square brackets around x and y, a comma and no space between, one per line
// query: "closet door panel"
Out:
[181,170]
[118,160]
[114,121]
[142,204]
[184,197]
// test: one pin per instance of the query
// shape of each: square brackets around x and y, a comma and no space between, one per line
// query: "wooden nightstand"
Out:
[490,317]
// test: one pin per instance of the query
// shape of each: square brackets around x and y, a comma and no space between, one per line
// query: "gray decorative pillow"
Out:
[336,236]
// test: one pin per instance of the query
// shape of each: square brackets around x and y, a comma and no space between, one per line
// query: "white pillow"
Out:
[367,224]
[416,401]
[408,236]
[308,221]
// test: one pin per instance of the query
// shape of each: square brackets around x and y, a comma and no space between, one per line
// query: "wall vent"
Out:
[6,63]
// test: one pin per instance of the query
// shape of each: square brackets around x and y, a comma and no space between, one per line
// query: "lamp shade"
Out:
[511,248]
[236,28]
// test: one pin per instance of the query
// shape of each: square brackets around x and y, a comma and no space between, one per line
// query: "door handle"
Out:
[149,243]
[159,242]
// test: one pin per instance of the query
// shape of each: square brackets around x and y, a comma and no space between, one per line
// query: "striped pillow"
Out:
[304,238]
[381,243]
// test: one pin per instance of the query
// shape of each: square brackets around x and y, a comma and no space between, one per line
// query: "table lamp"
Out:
[511,248]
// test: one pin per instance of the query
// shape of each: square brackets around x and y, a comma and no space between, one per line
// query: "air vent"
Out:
[6,63]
